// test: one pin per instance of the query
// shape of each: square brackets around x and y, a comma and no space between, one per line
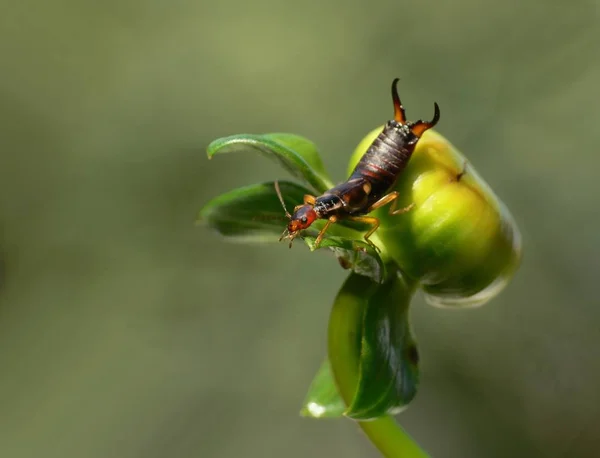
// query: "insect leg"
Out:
[374,222]
[391,197]
[330,221]
[308,199]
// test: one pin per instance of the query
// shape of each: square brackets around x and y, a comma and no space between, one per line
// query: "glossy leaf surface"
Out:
[372,352]
[323,399]
[298,155]
[254,214]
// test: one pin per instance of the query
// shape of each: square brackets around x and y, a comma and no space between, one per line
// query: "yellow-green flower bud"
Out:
[459,240]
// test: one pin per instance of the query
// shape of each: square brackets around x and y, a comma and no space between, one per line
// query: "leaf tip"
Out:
[312,410]
[213,147]
[318,410]
[202,216]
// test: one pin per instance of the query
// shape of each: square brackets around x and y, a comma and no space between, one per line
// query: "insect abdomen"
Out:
[387,156]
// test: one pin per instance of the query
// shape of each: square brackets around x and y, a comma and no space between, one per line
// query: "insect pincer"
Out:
[419,127]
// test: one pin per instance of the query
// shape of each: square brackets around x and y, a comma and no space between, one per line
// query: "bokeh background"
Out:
[126,331]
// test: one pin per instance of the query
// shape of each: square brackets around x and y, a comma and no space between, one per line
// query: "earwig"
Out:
[370,184]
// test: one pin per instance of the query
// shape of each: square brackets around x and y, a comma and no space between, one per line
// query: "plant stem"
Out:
[390,439]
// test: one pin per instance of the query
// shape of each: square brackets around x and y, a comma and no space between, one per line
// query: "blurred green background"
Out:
[127,331]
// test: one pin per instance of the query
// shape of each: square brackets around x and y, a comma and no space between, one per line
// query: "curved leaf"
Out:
[323,399]
[252,213]
[389,358]
[296,154]
[372,352]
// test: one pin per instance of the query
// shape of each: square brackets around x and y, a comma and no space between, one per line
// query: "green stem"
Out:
[344,351]
[390,439]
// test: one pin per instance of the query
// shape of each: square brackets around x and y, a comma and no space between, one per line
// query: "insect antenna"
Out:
[287,213]
[285,232]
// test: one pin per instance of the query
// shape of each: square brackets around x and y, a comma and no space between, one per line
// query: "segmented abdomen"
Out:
[385,159]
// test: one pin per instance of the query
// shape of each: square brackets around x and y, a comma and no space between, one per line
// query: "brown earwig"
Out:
[369,185]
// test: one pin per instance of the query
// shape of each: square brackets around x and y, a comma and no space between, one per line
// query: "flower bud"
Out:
[459,240]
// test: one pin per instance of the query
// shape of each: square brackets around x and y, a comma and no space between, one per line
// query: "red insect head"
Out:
[301,219]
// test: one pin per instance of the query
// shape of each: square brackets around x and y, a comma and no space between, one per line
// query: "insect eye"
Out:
[304,220]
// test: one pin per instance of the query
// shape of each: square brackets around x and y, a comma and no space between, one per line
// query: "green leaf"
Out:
[389,359]
[323,399]
[372,352]
[252,213]
[296,154]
